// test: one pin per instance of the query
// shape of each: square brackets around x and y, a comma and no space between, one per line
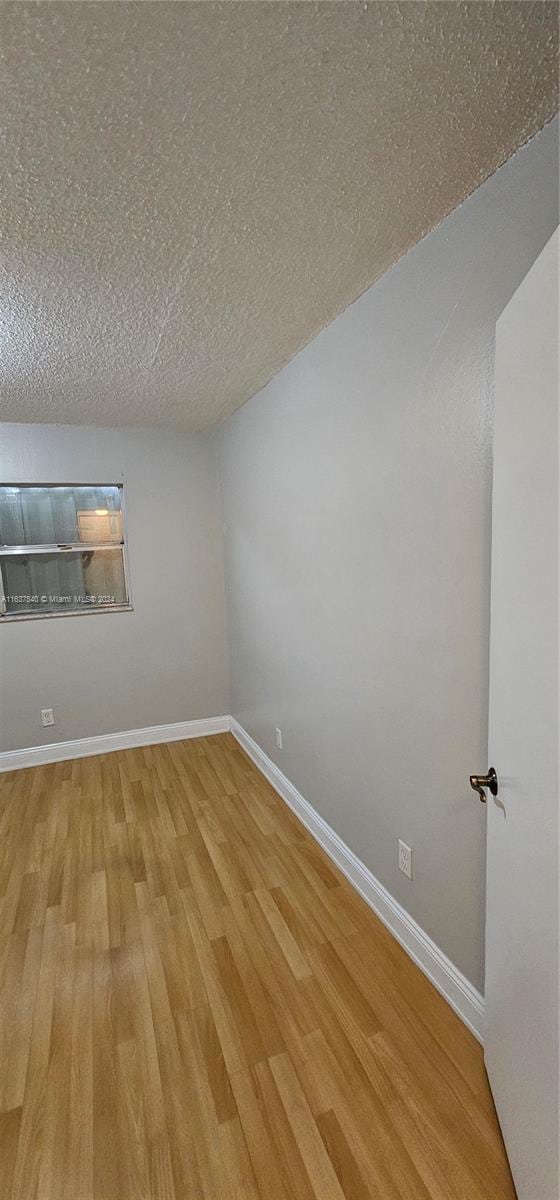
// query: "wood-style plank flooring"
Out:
[195,1004]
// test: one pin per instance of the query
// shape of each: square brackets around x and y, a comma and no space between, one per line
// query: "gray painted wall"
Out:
[165,661]
[356,487]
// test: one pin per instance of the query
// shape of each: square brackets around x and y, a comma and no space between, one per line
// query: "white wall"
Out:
[165,661]
[356,488]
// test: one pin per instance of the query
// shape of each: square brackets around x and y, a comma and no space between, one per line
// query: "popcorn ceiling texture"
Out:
[193,190]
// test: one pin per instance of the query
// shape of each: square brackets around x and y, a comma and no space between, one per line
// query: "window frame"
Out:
[68,548]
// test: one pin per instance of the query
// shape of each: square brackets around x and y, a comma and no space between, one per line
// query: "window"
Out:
[62,550]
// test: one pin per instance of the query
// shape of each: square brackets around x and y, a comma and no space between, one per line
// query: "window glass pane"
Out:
[35,516]
[74,581]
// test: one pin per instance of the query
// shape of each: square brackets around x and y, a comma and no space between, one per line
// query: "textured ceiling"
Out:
[193,190]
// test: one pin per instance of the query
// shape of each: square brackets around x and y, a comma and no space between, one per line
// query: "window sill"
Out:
[6,618]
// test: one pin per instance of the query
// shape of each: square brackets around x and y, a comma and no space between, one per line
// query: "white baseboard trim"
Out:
[35,756]
[454,987]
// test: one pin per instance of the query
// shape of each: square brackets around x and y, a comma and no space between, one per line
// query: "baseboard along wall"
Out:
[36,756]
[466,1001]
[449,981]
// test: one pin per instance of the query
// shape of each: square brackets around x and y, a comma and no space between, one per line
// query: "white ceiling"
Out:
[193,190]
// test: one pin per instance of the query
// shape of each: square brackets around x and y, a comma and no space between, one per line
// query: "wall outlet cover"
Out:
[405,859]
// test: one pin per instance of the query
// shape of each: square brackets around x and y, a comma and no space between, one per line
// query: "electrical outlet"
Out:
[278,739]
[47,716]
[405,859]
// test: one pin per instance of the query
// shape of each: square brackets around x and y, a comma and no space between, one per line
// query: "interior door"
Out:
[522,999]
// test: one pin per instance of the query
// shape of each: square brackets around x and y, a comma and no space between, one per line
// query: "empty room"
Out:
[279,602]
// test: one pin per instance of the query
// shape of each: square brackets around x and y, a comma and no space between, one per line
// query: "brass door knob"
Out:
[479,782]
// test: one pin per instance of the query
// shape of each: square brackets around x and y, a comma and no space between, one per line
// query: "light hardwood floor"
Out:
[195,1004]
